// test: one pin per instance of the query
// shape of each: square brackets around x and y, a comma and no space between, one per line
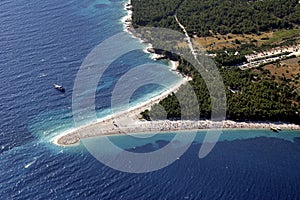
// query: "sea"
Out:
[46,42]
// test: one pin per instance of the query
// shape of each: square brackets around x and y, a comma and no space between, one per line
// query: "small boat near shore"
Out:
[59,88]
[274,129]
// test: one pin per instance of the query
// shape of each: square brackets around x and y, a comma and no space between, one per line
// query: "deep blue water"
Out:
[44,42]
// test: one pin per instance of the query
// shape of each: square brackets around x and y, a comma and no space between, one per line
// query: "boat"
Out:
[59,88]
[278,128]
[273,129]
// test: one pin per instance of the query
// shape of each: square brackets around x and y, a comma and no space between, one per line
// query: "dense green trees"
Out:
[258,97]
[203,17]
[157,13]
[250,96]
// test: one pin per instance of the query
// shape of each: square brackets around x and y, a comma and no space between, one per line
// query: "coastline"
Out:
[132,115]
[129,121]
[128,27]
[134,112]
[130,124]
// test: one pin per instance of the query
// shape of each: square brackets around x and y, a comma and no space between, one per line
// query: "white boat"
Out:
[273,129]
[59,87]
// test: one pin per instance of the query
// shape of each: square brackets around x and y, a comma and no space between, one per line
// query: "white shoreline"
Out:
[131,116]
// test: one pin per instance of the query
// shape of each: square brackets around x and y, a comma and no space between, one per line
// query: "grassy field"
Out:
[282,35]
[217,42]
[288,69]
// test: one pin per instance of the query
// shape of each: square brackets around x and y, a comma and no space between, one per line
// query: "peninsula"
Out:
[259,95]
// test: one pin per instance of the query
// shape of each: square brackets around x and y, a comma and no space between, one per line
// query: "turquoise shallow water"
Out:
[44,43]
